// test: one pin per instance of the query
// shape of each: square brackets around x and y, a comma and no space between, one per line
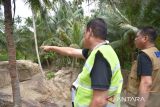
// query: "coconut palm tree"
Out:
[11,49]
[67,26]
[11,53]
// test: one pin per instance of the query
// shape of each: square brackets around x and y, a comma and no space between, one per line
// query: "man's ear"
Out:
[146,38]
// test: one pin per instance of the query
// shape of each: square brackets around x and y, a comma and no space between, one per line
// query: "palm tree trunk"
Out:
[36,44]
[11,53]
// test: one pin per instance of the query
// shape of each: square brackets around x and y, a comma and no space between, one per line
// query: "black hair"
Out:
[99,28]
[150,32]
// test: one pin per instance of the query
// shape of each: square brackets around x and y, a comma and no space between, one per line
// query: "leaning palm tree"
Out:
[38,7]
[36,44]
[11,53]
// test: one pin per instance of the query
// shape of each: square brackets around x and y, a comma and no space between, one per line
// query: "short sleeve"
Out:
[101,73]
[144,67]
[85,52]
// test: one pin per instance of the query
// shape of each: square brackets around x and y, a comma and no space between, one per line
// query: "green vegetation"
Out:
[3,56]
[50,75]
[66,26]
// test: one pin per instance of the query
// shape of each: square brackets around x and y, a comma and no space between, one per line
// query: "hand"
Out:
[46,48]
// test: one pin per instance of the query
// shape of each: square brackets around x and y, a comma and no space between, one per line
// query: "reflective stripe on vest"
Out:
[89,68]
[111,88]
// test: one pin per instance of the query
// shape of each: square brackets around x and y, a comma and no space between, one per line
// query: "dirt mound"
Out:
[38,92]
[25,68]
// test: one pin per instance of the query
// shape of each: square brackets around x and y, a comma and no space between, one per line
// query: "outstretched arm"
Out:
[66,51]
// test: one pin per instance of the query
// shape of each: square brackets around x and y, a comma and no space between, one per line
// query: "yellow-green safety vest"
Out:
[84,91]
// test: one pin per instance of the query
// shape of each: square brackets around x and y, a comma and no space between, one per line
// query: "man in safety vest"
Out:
[144,78]
[100,82]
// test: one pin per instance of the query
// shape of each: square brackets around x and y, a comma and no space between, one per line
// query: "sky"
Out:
[24,11]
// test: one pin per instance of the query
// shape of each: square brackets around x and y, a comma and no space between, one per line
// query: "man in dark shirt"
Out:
[144,75]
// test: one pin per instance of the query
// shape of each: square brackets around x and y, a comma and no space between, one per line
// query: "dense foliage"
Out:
[62,23]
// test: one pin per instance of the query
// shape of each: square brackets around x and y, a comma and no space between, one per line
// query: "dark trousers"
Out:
[72,104]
